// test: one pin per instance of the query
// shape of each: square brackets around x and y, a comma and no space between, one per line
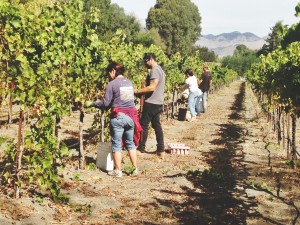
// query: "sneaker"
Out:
[134,172]
[193,119]
[115,173]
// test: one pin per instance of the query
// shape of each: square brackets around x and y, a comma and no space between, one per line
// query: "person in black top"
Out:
[205,84]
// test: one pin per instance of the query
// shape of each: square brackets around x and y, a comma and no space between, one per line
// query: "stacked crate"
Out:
[178,148]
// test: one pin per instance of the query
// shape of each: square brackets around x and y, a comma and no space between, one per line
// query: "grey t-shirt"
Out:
[156,97]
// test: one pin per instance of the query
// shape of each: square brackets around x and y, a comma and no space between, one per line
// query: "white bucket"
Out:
[188,115]
[105,157]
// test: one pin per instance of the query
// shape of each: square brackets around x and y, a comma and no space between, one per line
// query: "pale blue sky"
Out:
[224,16]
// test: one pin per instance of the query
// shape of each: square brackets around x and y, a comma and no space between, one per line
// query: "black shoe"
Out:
[141,151]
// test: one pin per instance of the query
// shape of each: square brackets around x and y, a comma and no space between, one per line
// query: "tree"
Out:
[274,38]
[150,37]
[205,54]
[178,23]
[293,33]
[241,60]
[111,18]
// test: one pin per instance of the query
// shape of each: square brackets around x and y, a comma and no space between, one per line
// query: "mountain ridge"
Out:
[224,44]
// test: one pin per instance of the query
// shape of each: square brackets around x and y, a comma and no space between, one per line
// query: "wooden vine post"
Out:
[173,103]
[293,150]
[142,100]
[57,135]
[288,128]
[102,125]
[18,162]
[81,150]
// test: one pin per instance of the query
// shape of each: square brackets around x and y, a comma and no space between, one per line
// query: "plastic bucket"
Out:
[182,114]
[104,156]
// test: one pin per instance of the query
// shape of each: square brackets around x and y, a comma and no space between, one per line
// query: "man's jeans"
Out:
[151,113]
[204,100]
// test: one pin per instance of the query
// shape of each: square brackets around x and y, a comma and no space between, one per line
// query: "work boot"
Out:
[161,155]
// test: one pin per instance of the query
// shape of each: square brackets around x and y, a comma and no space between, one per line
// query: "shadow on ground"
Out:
[219,196]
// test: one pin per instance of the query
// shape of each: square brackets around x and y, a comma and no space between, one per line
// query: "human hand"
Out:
[88,104]
[137,94]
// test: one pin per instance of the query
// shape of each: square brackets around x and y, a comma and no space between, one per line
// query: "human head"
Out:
[149,59]
[189,72]
[115,69]
[205,67]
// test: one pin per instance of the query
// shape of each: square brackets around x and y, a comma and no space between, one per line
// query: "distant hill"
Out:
[224,44]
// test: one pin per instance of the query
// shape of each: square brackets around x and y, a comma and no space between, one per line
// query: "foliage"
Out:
[111,18]
[278,76]
[241,60]
[205,54]
[292,35]
[274,38]
[150,37]
[55,58]
[178,22]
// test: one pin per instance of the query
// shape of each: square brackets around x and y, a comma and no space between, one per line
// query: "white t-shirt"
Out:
[192,83]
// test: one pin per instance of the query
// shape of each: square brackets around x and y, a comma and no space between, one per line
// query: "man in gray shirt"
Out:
[153,106]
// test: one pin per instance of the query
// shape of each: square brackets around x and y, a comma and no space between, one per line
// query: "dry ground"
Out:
[234,174]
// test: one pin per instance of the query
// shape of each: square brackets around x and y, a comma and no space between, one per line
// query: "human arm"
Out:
[152,87]
[106,101]
[199,82]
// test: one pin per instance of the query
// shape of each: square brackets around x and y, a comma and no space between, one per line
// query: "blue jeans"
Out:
[151,113]
[197,106]
[122,127]
[204,100]
[192,102]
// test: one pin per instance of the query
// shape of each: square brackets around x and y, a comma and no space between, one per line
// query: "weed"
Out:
[166,171]
[84,209]
[128,169]
[117,216]
[91,166]
[265,187]
[213,175]
[2,140]
[292,163]
[195,173]
[259,174]
[39,200]
[77,177]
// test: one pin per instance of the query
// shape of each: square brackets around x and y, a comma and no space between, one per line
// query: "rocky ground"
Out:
[233,174]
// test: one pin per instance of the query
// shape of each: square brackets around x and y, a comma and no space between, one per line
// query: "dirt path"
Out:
[233,175]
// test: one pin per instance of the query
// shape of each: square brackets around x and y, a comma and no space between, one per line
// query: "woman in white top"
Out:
[192,83]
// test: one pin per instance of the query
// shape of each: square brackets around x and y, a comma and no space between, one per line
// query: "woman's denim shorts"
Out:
[122,127]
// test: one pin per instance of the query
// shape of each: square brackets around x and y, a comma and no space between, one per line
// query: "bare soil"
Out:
[234,174]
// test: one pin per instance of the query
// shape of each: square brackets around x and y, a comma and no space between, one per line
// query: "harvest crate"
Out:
[178,148]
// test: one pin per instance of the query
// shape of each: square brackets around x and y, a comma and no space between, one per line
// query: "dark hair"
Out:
[189,72]
[149,55]
[118,67]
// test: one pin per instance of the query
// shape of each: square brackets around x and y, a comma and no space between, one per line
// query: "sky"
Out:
[225,16]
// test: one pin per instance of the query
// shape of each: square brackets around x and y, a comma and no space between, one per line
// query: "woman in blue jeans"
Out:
[125,128]
[192,83]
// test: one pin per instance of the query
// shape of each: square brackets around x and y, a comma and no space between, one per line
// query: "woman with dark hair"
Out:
[124,122]
[192,83]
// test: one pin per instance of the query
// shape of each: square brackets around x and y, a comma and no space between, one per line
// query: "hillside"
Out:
[224,44]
